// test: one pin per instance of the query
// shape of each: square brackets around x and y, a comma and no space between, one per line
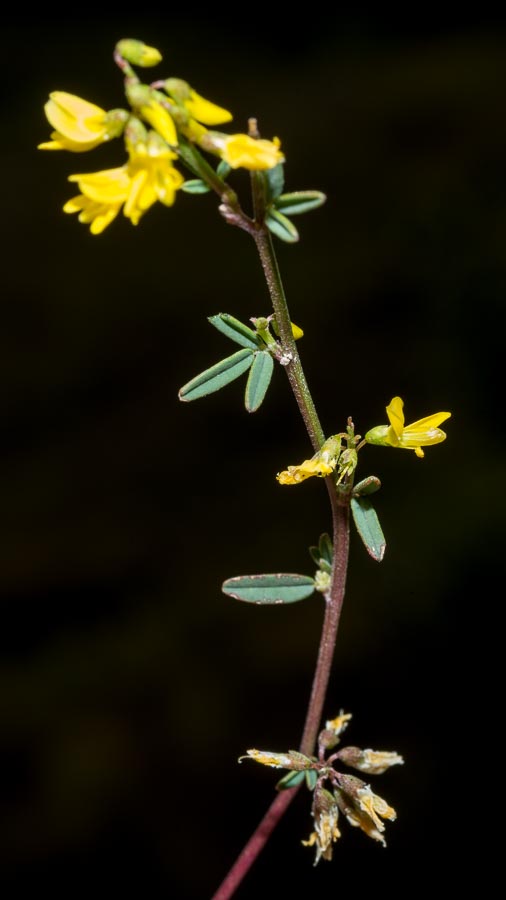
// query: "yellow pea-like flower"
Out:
[205,111]
[321,464]
[422,433]
[79,125]
[243,151]
[146,178]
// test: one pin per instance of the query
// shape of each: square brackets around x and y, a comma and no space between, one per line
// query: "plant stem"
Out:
[339,500]
[255,844]
[294,369]
[333,606]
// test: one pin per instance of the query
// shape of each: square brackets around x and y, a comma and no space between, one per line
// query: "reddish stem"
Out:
[333,606]
[255,844]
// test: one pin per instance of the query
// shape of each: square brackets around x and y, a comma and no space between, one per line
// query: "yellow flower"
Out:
[291,760]
[206,112]
[147,177]
[97,215]
[198,107]
[374,762]
[243,151]
[79,125]
[338,724]
[325,816]
[422,433]
[321,464]
[363,808]
[161,121]
[153,177]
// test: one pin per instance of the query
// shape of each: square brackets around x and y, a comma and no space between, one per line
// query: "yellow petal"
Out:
[425,431]
[161,120]
[396,416]
[168,182]
[104,218]
[108,186]
[140,197]
[97,215]
[75,118]
[60,142]
[240,150]
[206,112]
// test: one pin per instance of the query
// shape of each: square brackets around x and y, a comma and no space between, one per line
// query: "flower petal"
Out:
[75,118]
[206,112]
[107,186]
[425,431]
[396,416]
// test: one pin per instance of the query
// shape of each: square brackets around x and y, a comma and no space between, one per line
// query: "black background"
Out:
[129,685]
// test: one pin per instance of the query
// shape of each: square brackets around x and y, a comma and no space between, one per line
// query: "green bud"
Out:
[138,53]
[139,95]
[116,120]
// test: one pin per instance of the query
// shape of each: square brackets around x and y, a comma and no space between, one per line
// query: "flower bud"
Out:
[291,760]
[374,762]
[325,813]
[138,53]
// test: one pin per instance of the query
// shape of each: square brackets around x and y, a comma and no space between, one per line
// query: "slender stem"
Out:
[333,606]
[294,368]
[255,844]
[339,500]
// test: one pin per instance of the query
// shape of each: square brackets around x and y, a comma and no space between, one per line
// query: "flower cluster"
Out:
[332,457]
[345,794]
[167,121]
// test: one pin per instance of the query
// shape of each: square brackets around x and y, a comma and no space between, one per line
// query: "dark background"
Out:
[129,684]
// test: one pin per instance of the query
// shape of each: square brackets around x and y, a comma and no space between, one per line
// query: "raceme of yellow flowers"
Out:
[164,118]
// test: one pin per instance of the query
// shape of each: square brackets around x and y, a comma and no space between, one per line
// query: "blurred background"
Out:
[129,684]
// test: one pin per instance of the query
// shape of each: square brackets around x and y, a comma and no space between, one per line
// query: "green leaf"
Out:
[290,780]
[235,330]
[195,186]
[278,588]
[259,379]
[311,778]
[323,553]
[274,181]
[326,549]
[368,485]
[223,170]
[368,527]
[217,376]
[281,226]
[300,202]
